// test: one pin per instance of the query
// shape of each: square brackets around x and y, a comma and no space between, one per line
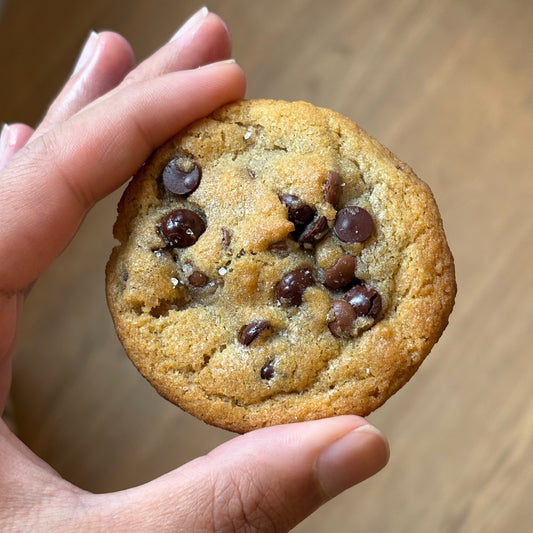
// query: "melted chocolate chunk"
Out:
[290,288]
[250,332]
[342,273]
[314,233]
[179,181]
[299,213]
[267,372]
[353,224]
[365,301]
[332,188]
[181,228]
[198,279]
[343,316]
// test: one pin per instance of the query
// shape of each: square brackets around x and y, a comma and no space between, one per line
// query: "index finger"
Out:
[50,184]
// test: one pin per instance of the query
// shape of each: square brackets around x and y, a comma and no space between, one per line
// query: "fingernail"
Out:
[7,140]
[4,137]
[192,24]
[354,457]
[6,145]
[217,63]
[87,51]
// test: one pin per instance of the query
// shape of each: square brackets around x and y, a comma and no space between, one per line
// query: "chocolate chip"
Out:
[267,372]
[250,332]
[180,181]
[181,228]
[332,188]
[290,288]
[365,301]
[353,224]
[342,273]
[198,279]
[314,233]
[342,321]
[226,237]
[299,213]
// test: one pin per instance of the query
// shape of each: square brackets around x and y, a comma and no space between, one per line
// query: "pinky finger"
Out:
[12,139]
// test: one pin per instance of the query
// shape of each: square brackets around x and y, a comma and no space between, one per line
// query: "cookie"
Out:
[277,264]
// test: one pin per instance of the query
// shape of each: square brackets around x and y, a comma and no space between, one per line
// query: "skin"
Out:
[50,178]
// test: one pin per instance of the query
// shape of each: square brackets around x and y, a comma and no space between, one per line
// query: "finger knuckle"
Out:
[48,151]
[133,77]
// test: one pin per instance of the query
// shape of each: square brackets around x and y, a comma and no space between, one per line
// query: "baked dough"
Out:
[277,264]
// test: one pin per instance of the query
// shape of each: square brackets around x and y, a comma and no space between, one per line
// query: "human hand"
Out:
[105,122]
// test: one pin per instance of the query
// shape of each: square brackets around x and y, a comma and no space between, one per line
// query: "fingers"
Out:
[267,480]
[12,139]
[97,137]
[104,61]
[49,185]
[107,58]
[203,39]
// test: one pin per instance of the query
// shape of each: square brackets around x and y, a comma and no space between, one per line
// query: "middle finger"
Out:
[203,39]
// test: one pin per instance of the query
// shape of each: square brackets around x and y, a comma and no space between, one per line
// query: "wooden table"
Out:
[447,86]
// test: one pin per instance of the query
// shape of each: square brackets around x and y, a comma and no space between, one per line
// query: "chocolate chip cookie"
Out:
[277,264]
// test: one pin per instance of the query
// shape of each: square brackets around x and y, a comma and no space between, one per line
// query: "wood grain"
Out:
[447,86]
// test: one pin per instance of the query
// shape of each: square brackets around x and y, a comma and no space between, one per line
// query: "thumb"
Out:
[266,480]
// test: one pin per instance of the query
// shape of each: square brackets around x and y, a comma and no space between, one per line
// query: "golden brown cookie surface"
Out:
[277,264]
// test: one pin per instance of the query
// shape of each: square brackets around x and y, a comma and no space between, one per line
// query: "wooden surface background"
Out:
[446,85]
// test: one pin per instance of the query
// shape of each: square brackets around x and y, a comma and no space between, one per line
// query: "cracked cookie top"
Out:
[277,264]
